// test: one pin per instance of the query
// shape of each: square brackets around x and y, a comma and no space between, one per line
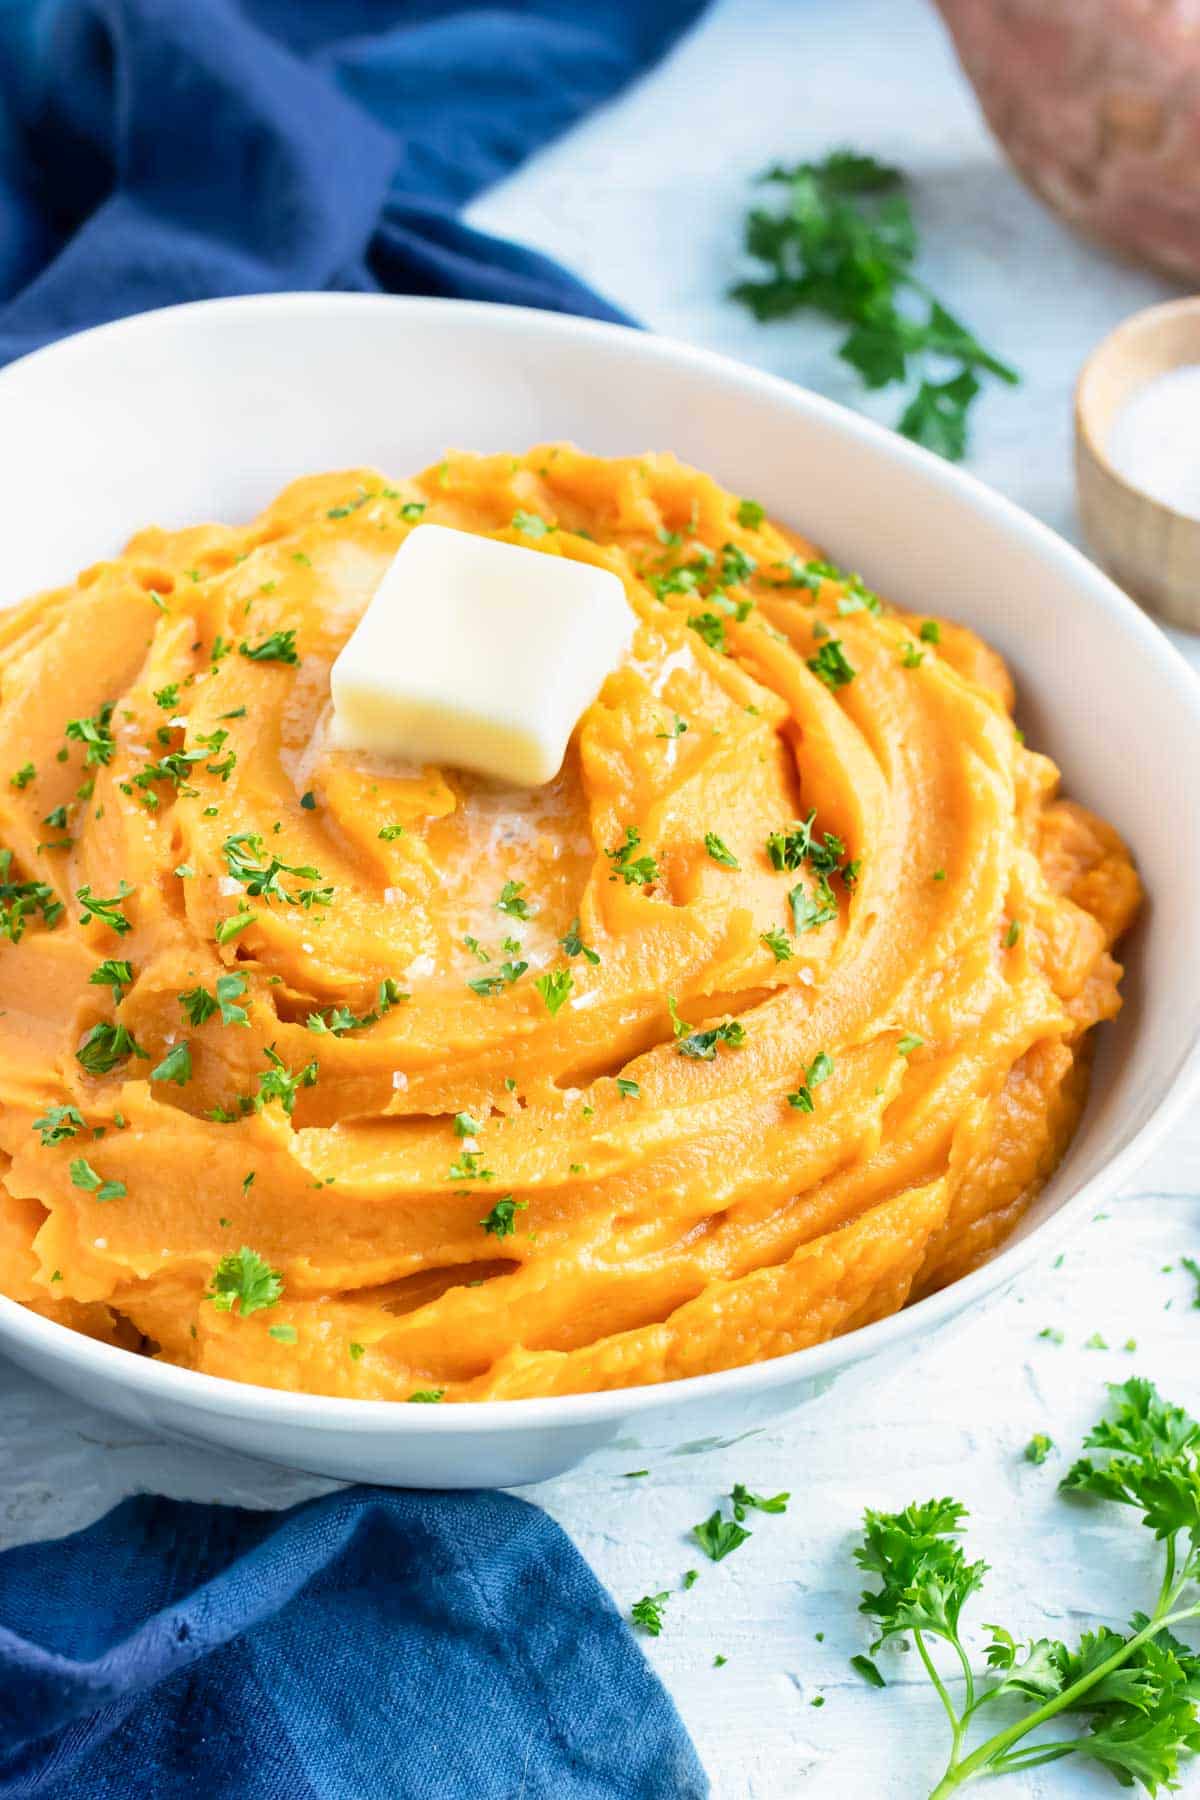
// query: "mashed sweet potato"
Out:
[768,1014]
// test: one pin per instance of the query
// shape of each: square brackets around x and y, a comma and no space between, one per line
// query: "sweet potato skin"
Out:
[1097,105]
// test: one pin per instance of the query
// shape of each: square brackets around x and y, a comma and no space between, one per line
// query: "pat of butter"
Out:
[478,654]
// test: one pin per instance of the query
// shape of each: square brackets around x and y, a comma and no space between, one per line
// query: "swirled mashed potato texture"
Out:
[769,1014]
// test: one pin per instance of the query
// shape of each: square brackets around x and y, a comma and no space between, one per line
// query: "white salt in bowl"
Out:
[1132,518]
[206,411]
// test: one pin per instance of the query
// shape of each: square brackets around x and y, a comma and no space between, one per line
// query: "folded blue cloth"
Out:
[367,1646]
[153,151]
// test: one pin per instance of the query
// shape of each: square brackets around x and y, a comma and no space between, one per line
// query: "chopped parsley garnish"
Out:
[95,733]
[112,974]
[819,1070]
[175,1066]
[58,1123]
[930,632]
[777,942]
[283,1334]
[711,627]
[338,1020]
[199,1004]
[104,1046]
[634,871]
[501,1222]
[227,929]
[677,729]
[1124,1699]
[412,510]
[718,1536]
[512,903]
[736,566]
[247,862]
[279,647]
[107,911]
[868,1670]
[24,775]
[628,1090]
[243,1281]
[389,833]
[468,1166]
[810,910]
[84,1176]
[507,973]
[742,1500]
[701,1046]
[750,514]
[720,852]
[426,1396]
[20,900]
[797,844]
[465,1126]
[167,697]
[554,987]
[844,245]
[573,945]
[911,657]
[648,1612]
[830,665]
[1193,1268]
[532,524]
[908,1043]
[1038,1448]
[283,1084]
[1012,934]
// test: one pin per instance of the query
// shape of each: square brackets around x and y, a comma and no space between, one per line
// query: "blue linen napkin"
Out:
[418,1647]
[370,1645]
[153,151]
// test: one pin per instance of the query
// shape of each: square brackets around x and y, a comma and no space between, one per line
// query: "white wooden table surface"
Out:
[645,201]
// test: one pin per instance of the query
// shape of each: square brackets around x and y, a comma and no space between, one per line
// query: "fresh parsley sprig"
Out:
[844,244]
[1136,1690]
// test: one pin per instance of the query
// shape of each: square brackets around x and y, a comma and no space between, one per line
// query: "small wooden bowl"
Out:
[1149,548]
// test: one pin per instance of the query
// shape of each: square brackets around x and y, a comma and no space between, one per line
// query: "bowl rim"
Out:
[214,1394]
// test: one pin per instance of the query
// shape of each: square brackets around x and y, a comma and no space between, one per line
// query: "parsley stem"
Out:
[956,1724]
[985,1759]
[1165,1593]
[1036,1753]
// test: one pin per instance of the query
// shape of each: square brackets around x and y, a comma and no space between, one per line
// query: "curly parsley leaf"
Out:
[554,987]
[501,1222]
[114,974]
[1136,1690]
[280,647]
[105,1046]
[701,1046]
[634,871]
[175,1066]
[648,1612]
[245,1283]
[58,1123]
[843,244]
[718,1537]
[720,852]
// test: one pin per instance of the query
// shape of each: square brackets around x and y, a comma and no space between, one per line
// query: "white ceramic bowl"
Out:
[206,410]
